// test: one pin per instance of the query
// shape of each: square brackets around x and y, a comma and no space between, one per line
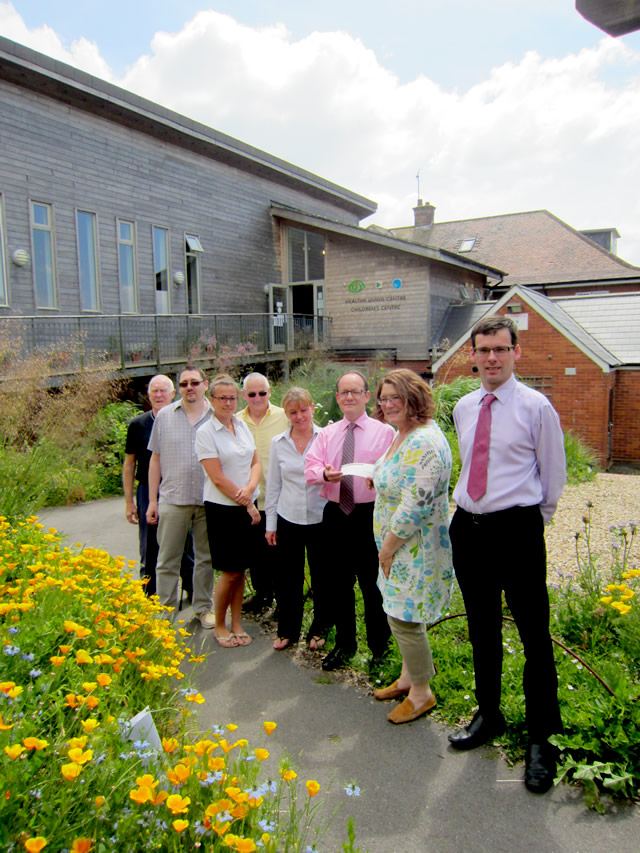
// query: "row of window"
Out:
[44,265]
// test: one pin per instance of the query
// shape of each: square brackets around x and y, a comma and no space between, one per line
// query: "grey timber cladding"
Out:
[60,155]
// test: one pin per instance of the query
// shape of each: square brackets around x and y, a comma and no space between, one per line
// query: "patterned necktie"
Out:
[347,502]
[477,484]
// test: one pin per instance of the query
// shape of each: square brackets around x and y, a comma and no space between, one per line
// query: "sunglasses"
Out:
[192,383]
[257,393]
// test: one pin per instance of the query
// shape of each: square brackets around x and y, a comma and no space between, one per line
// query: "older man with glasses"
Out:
[348,519]
[265,421]
[176,487]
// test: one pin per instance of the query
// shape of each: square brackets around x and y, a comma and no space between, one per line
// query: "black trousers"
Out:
[506,551]
[351,554]
[261,561]
[293,541]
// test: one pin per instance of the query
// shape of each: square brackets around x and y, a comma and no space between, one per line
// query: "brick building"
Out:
[583,352]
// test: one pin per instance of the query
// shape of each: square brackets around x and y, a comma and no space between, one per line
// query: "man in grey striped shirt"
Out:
[178,478]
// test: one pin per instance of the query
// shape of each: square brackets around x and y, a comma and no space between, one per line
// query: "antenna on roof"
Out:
[418,181]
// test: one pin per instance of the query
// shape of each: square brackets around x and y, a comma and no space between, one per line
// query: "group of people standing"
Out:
[367,498]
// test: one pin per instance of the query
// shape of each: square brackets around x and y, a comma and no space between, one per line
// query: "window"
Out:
[467,244]
[543,384]
[44,276]
[305,254]
[126,232]
[161,269]
[192,247]
[3,268]
[87,260]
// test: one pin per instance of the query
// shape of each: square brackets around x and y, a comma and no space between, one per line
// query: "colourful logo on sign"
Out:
[396,283]
[378,284]
[356,286]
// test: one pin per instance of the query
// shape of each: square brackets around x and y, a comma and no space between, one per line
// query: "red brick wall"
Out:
[582,400]
[626,417]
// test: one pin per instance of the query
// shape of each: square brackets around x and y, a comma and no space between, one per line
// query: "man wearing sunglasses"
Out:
[264,421]
[176,486]
[513,473]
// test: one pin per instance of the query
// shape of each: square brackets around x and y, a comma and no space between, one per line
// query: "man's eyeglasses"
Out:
[226,399]
[190,383]
[485,352]
[386,401]
[257,393]
[353,393]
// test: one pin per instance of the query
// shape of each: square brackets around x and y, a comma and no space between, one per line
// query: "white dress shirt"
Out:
[527,464]
[288,495]
[235,452]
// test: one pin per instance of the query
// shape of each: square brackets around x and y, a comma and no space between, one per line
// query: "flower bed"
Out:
[84,651]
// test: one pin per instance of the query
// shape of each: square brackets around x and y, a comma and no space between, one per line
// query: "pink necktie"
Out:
[477,484]
[347,502]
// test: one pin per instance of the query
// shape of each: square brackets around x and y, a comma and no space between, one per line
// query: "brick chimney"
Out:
[423,214]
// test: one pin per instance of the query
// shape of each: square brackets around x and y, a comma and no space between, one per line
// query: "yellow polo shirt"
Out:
[273,423]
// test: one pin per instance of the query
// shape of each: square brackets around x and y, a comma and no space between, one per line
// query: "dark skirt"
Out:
[229,530]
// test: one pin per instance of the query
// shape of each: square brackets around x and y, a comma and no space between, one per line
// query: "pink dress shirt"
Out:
[372,440]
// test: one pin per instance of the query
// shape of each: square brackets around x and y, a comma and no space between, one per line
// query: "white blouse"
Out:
[287,493]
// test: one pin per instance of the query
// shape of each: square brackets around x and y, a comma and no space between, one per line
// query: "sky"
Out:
[500,106]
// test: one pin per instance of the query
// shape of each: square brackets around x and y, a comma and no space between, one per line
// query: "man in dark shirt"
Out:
[136,467]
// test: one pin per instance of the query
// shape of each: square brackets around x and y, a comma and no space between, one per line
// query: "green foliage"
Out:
[446,396]
[582,465]
[109,429]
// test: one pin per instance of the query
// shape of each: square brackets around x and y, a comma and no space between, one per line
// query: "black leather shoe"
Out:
[478,731]
[336,659]
[540,767]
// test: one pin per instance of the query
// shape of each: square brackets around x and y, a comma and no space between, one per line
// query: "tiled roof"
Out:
[533,248]
[613,320]
[605,328]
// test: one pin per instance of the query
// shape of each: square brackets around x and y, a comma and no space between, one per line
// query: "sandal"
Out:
[227,642]
[316,643]
[281,643]
[242,639]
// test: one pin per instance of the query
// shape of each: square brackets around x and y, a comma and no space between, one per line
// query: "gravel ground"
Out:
[615,499]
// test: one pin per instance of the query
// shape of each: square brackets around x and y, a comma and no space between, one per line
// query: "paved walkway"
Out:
[418,795]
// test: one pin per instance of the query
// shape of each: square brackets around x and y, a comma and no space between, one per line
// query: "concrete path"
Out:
[418,795]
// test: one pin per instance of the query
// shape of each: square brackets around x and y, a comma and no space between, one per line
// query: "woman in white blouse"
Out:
[293,521]
[227,451]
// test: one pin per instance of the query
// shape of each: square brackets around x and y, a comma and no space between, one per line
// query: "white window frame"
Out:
[121,242]
[167,244]
[49,228]
[4,276]
[192,250]
[94,262]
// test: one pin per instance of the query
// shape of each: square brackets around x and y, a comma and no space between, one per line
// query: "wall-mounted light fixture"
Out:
[20,257]
[178,277]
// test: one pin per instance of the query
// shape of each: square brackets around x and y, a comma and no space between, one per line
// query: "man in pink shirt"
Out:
[348,518]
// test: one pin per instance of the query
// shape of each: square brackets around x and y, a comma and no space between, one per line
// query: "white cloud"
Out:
[537,133]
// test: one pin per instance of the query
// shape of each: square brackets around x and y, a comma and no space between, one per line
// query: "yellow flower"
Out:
[70,771]
[99,801]
[92,701]
[35,743]
[178,775]
[269,727]
[148,780]
[89,686]
[216,762]
[628,594]
[103,679]
[57,660]
[606,599]
[169,744]
[83,657]
[177,804]
[81,845]
[141,795]
[5,686]
[35,845]
[15,691]
[261,754]
[288,775]
[312,787]
[199,699]
[14,751]
[232,727]
[621,607]
[78,742]
[79,757]
[180,825]
[4,727]
[245,845]
[90,724]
